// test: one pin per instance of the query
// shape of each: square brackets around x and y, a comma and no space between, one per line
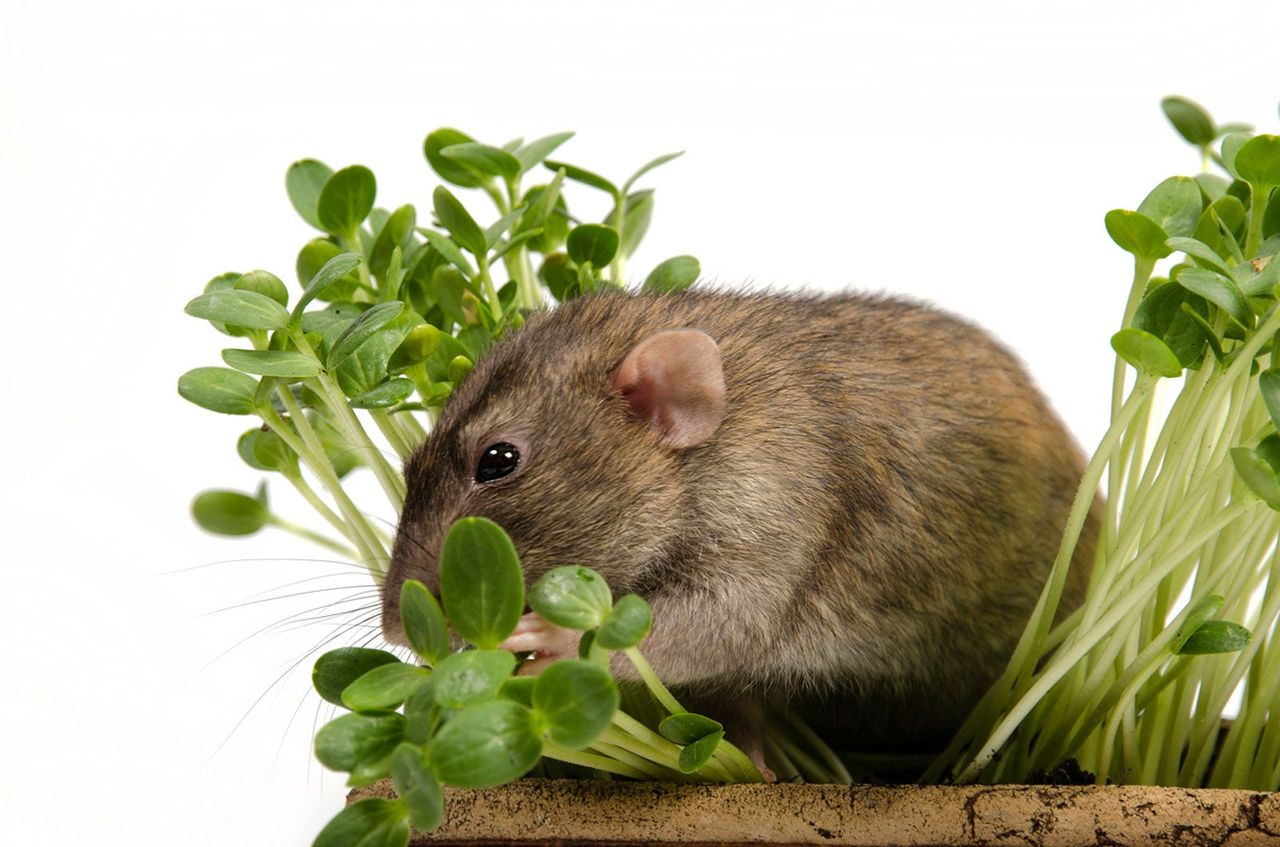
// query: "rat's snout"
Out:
[397,572]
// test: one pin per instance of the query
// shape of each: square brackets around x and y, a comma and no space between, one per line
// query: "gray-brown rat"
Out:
[843,505]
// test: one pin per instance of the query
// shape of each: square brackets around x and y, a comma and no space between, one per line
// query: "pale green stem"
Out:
[370,553]
[783,768]
[552,750]
[1066,659]
[619,261]
[313,536]
[838,770]
[652,682]
[391,432]
[323,469]
[651,769]
[313,499]
[490,290]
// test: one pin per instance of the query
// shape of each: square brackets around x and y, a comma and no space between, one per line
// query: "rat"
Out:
[844,505]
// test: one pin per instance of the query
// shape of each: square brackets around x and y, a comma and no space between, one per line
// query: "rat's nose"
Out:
[397,573]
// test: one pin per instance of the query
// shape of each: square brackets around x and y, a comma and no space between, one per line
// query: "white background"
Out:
[960,152]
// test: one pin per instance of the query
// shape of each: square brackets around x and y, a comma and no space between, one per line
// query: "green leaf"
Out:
[312,257]
[459,367]
[262,282]
[1190,120]
[627,625]
[1213,185]
[449,250]
[396,232]
[247,309]
[1219,290]
[390,393]
[585,177]
[502,248]
[1269,386]
[571,596]
[480,582]
[346,200]
[1201,251]
[535,151]
[482,160]
[1231,146]
[577,699]
[1146,352]
[229,513]
[1174,205]
[1257,161]
[486,745]
[361,330]
[353,740]
[330,273]
[697,754]
[371,822]
[1202,611]
[223,282]
[263,450]
[1175,316]
[518,689]
[417,786]
[423,622]
[471,676]
[1216,637]
[449,170]
[337,669]
[383,687]
[1224,218]
[366,369]
[594,243]
[421,714]
[1258,474]
[546,210]
[560,276]
[687,727]
[1206,332]
[219,390]
[1268,450]
[1137,233]
[455,217]
[417,347]
[675,274]
[276,363]
[437,363]
[648,166]
[500,226]
[304,180]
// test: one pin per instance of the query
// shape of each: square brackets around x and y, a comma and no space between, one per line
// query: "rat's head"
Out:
[569,435]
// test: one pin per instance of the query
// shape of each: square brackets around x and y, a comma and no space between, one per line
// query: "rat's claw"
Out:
[551,643]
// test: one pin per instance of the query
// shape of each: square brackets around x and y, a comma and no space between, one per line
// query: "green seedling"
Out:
[1133,684]
[348,372]
[468,721]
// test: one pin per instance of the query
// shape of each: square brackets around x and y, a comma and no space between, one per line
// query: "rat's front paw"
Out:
[548,642]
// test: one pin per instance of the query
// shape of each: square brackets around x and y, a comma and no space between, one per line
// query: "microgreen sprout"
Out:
[1184,598]
[467,721]
[395,308]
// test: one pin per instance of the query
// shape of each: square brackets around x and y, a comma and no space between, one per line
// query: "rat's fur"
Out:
[868,528]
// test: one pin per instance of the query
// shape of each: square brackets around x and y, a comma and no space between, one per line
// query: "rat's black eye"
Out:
[497,460]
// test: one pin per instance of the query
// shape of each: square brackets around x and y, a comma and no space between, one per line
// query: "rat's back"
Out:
[870,525]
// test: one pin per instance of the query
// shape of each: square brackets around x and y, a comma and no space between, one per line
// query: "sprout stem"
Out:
[652,682]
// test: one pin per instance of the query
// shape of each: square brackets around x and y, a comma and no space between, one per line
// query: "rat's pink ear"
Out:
[674,381]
